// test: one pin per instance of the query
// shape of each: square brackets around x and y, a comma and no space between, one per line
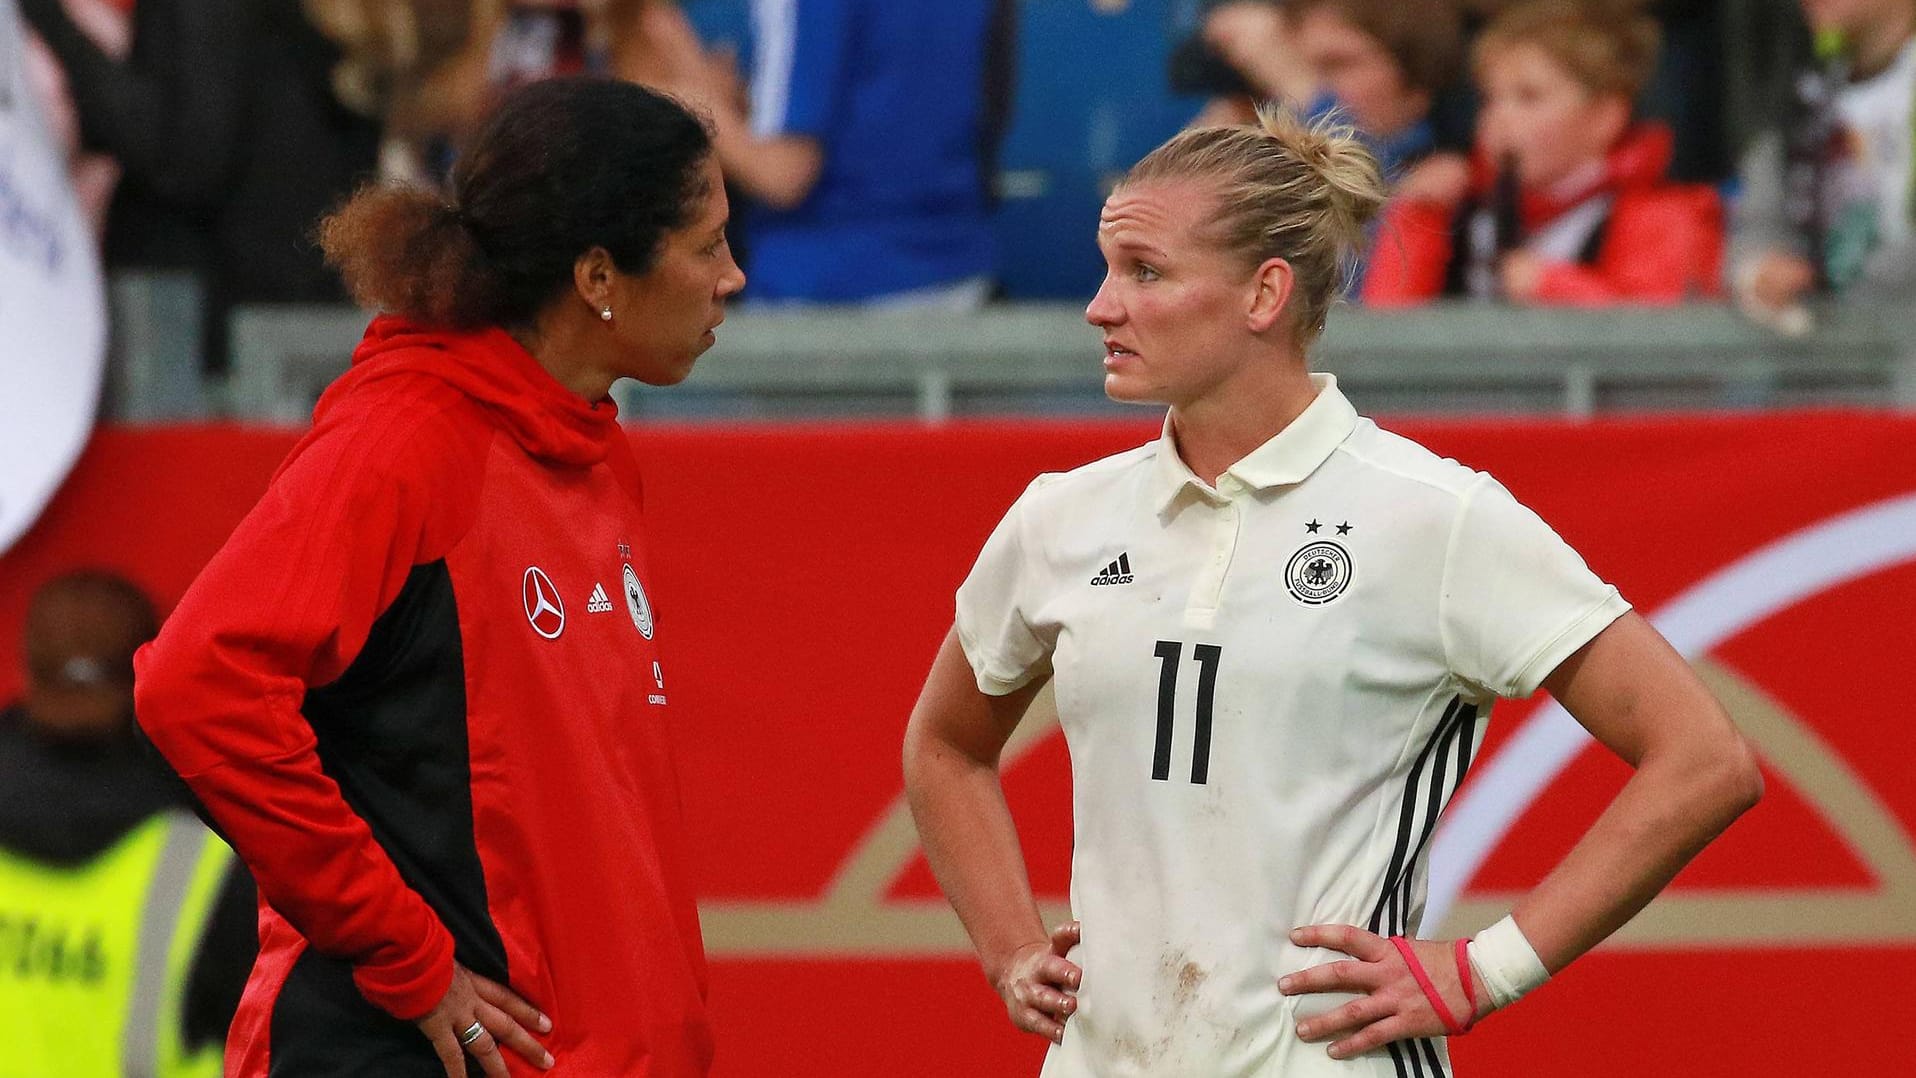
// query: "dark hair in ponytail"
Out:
[564,166]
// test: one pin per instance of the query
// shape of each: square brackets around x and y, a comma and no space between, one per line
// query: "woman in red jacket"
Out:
[403,689]
[1568,202]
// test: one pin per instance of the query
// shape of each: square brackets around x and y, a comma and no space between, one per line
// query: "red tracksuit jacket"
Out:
[420,691]
[1661,242]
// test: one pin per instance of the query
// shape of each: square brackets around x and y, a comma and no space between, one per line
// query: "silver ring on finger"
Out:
[473,1032]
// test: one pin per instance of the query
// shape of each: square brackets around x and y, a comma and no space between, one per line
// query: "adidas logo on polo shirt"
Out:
[598,603]
[1118,572]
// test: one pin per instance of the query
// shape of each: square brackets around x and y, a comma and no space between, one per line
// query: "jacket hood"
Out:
[1639,160]
[548,420]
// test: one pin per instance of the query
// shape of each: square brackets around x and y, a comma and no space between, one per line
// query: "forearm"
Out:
[1280,76]
[779,171]
[1258,42]
[1569,284]
[1672,807]
[1671,279]
[221,694]
[317,863]
[972,846]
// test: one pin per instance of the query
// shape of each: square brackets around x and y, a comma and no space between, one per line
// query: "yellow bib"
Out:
[94,959]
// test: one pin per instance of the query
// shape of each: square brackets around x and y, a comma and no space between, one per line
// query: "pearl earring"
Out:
[605,313]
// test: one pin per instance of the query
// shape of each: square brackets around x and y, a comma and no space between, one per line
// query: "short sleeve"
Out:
[801,60]
[1516,601]
[995,605]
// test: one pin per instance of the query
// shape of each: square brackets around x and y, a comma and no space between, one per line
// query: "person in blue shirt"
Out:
[866,145]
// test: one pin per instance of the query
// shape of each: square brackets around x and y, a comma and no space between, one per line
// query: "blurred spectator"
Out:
[1568,201]
[1828,195]
[1382,62]
[867,145]
[126,929]
[1233,63]
[438,68]
[418,65]
[107,23]
[231,139]
[1688,89]
[645,41]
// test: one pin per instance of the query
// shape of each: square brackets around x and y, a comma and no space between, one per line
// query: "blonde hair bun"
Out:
[1352,177]
[1287,188]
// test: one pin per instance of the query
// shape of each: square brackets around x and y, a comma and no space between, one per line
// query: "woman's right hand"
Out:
[505,1019]
[1779,279]
[1254,38]
[1038,982]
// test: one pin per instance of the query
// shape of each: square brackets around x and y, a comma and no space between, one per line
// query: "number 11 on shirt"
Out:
[1169,652]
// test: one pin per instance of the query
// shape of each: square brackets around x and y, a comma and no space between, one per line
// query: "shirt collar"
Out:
[1288,458]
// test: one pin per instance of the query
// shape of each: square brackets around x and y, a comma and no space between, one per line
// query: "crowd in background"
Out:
[1583,152]
[1544,151]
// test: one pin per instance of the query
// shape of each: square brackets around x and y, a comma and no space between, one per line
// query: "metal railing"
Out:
[1043,359]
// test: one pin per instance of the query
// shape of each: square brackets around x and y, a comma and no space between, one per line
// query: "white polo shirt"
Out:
[1270,689]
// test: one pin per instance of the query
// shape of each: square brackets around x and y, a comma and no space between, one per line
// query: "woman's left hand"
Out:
[1442,179]
[1522,275]
[1393,1007]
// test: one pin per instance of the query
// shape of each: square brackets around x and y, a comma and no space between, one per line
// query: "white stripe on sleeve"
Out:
[775,26]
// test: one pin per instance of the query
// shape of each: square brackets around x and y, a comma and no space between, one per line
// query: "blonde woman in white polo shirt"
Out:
[1275,634]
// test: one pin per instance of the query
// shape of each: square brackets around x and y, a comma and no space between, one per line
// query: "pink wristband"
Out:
[1437,1003]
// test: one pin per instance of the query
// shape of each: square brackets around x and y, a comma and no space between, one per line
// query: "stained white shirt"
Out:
[1269,688]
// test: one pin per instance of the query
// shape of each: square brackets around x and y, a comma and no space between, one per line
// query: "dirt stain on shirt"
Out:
[1190,977]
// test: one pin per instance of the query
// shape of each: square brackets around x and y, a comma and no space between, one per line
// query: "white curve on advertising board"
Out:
[1772,578]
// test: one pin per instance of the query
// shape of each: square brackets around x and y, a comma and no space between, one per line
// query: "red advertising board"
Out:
[805,578]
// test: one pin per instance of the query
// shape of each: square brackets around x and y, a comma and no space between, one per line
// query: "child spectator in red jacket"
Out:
[1568,202]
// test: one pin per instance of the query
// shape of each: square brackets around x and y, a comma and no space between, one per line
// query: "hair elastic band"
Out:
[1461,951]
[1444,1015]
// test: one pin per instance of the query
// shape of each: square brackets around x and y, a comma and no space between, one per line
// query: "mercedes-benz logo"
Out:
[544,609]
